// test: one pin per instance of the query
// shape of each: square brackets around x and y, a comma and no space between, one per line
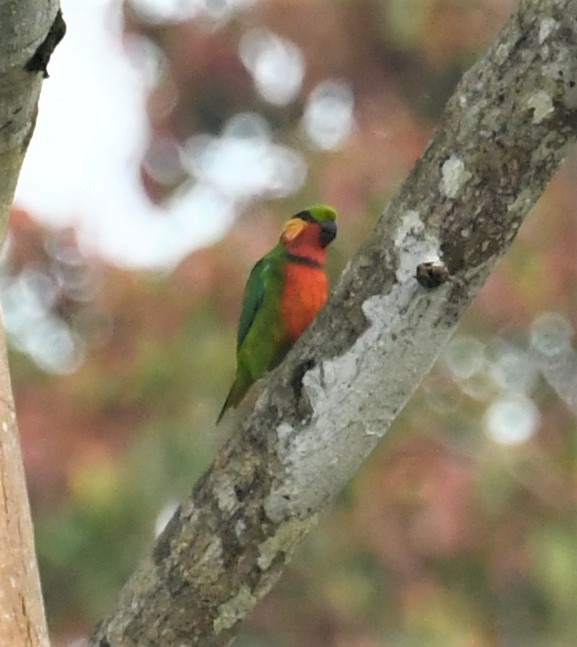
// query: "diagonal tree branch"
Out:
[25,28]
[503,134]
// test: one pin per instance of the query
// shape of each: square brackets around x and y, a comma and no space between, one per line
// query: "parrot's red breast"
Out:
[305,285]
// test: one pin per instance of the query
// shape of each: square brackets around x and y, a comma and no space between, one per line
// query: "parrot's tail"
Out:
[237,392]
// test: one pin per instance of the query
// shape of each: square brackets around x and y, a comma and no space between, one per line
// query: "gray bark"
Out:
[24,27]
[503,134]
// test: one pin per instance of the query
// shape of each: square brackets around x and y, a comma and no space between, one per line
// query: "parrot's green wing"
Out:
[252,299]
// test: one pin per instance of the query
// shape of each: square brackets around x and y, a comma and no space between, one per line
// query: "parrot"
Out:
[284,292]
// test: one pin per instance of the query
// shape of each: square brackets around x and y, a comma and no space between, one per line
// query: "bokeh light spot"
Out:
[162,161]
[176,10]
[33,329]
[276,64]
[513,371]
[244,163]
[328,119]
[512,420]
[147,57]
[464,357]
[162,10]
[551,334]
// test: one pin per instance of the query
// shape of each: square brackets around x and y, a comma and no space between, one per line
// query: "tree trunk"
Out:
[28,33]
[318,415]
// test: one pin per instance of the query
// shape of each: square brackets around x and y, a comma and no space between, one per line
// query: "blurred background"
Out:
[174,138]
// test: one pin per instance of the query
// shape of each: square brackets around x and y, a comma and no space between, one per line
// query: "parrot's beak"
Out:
[328,232]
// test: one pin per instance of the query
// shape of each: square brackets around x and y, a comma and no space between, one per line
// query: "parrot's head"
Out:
[316,225]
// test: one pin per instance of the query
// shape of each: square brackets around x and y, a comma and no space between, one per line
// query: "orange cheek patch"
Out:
[293,228]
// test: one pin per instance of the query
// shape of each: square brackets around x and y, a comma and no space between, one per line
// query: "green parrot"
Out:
[283,294]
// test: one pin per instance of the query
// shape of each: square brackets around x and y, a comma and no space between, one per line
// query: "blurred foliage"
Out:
[460,529]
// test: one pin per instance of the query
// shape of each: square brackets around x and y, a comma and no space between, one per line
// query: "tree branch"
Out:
[24,28]
[503,134]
